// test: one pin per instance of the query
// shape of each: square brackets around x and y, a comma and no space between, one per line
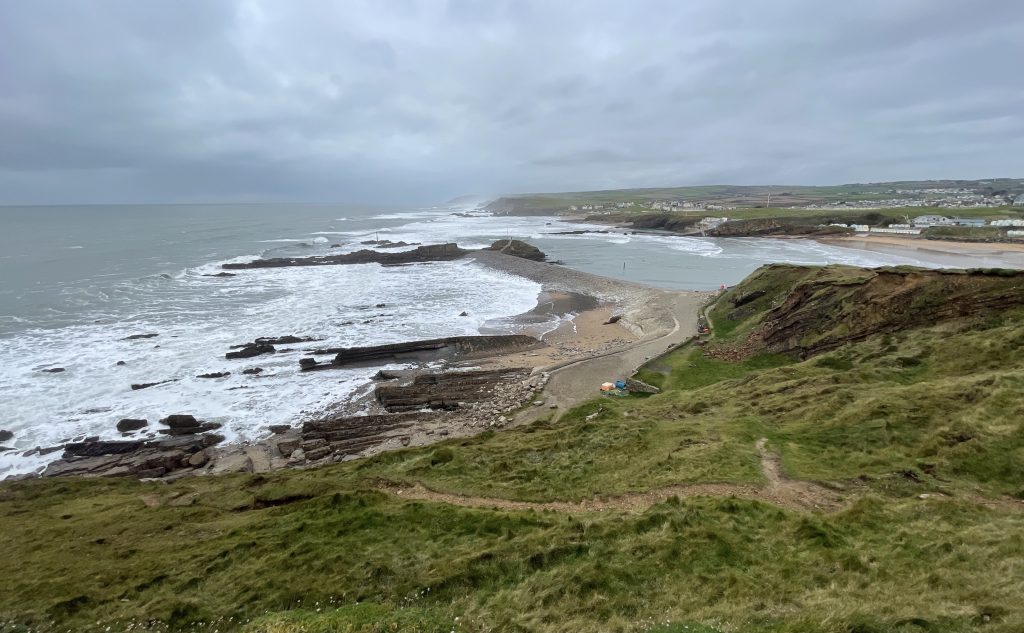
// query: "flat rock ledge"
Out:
[450,348]
[138,458]
[430,253]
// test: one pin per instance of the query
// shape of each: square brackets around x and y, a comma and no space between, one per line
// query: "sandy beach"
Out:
[958,254]
[579,358]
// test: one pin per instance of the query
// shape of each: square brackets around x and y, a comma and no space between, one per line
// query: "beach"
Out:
[956,254]
[88,318]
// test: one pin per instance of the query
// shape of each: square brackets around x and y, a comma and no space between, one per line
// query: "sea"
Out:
[77,282]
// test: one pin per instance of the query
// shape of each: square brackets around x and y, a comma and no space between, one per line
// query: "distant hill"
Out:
[984,192]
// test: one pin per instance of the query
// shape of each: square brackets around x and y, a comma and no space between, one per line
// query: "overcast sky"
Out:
[410,101]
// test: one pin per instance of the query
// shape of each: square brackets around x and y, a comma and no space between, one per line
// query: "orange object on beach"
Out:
[608,386]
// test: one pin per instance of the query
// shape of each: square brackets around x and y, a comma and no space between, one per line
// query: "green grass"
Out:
[936,410]
[960,232]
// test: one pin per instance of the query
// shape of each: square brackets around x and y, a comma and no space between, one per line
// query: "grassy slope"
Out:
[935,410]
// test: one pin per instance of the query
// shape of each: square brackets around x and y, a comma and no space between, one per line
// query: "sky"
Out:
[120,101]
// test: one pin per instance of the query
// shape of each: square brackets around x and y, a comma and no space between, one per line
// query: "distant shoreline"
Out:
[1009,255]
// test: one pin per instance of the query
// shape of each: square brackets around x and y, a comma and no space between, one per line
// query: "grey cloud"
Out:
[419,100]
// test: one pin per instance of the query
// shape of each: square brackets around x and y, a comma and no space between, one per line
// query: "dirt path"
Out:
[780,490]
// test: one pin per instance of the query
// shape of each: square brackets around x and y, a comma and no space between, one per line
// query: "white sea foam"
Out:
[333,302]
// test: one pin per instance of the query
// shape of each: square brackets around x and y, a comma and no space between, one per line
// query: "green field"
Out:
[934,410]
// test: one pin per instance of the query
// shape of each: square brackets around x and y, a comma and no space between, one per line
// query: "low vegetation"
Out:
[918,427]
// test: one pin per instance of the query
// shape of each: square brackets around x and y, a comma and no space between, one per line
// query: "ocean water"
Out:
[75,282]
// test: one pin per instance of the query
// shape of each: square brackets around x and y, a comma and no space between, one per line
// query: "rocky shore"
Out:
[464,384]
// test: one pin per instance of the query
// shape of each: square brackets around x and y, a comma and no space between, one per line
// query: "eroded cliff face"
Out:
[809,310]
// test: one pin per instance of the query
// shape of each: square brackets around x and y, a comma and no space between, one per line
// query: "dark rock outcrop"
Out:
[249,350]
[5,435]
[307,363]
[131,424]
[429,253]
[252,371]
[288,339]
[192,430]
[53,370]
[147,385]
[136,337]
[221,274]
[518,248]
[215,374]
[130,458]
[95,448]
[427,350]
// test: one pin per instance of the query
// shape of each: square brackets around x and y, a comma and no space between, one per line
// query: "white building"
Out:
[932,220]
[1007,223]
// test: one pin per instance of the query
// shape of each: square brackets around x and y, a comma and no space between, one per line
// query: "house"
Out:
[932,220]
[1007,223]
[1019,201]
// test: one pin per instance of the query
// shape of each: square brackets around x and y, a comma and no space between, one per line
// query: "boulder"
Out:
[53,370]
[385,375]
[5,435]
[252,371]
[278,429]
[306,363]
[120,363]
[131,424]
[180,421]
[198,459]
[136,337]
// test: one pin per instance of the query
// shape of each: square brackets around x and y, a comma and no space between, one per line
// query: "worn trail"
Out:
[780,490]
